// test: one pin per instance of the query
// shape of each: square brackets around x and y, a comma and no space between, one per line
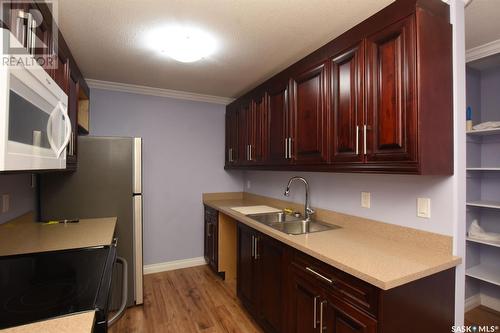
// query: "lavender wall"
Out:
[490,98]
[22,196]
[393,197]
[183,156]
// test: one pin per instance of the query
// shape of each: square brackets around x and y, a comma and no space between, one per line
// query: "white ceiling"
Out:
[258,38]
[482,22]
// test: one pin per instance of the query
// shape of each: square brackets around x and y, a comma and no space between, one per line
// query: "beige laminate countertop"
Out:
[385,262]
[76,323]
[22,235]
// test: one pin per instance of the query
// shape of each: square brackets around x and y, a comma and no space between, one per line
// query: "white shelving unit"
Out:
[484,204]
[486,273]
[481,241]
[493,131]
[483,187]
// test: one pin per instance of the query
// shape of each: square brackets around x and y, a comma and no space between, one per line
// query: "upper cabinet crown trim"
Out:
[144,90]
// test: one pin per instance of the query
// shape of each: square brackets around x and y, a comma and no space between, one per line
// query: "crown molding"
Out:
[482,51]
[144,90]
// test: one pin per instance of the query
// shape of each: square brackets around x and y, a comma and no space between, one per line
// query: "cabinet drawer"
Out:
[345,286]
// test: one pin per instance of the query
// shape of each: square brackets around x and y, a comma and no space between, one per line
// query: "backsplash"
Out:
[22,195]
[393,197]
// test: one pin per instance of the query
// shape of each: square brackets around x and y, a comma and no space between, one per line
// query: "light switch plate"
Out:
[424,207]
[365,199]
[249,184]
[5,203]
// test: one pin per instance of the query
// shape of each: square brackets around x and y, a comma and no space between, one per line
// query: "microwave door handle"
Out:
[58,151]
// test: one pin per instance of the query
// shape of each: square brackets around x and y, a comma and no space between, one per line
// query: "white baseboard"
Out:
[472,302]
[490,302]
[171,265]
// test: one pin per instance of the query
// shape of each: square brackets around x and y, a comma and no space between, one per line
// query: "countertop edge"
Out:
[384,285]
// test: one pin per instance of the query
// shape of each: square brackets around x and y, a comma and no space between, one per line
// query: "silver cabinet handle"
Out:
[230,157]
[256,247]
[321,315]
[253,246]
[289,147]
[364,138]
[250,151]
[319,275]
[357,139]
[315,315]
[286,148]
[33,34]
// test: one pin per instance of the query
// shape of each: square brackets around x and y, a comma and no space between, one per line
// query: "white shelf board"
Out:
[490,274]
[483,169]
[490,131]
[482,241]
[484,204]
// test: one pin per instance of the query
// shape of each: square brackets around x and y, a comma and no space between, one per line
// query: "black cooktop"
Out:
[38,286]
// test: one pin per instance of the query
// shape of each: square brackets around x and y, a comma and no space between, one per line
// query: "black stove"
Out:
[39,286]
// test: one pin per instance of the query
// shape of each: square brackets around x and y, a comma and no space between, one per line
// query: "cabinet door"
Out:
[305,298]
[246,268]
[257,129]
[231,136]
[270,256]
[244,116]
[340,317]
[347,105]
[309,121]
[71,152]
[278,124]
[391,93]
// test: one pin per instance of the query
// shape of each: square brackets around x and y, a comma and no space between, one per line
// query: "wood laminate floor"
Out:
[482,316]
[187,300]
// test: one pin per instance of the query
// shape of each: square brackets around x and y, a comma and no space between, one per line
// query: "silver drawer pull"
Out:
[319,275]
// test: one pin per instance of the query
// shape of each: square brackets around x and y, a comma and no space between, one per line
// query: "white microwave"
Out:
[34,122]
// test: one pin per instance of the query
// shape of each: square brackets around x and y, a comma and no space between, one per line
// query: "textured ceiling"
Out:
[257,38]
[482,22]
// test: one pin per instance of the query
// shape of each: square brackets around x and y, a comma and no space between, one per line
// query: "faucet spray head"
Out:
[287,191]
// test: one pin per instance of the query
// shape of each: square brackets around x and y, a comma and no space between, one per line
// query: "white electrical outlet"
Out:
[249,184]
[5,203]
[424,207]
[365,199]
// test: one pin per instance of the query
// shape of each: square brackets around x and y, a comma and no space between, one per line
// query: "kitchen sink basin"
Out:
[268,218]
[290,224]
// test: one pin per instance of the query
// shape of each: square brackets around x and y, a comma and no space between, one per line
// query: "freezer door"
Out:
[138,249]
[137,166]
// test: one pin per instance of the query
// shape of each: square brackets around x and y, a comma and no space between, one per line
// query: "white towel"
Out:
[487,125]
[475,231]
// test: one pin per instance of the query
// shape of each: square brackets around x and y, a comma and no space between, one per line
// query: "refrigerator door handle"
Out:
[138,248]
[137,166]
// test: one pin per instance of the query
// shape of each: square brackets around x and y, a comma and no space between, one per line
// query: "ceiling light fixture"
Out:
[182,43]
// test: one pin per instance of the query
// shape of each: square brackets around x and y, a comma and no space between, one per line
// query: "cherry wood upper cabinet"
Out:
[231,136]
[258,135]
[277,125]
[376,99]
[309,116]
[391,89]
[348,105]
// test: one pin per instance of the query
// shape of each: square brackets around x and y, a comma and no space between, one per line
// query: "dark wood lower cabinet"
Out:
[286,291]
[211,245]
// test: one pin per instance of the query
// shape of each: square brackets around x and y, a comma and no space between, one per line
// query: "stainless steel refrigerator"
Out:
[108,182]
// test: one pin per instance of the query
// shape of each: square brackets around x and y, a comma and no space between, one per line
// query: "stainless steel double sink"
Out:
[291,224]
